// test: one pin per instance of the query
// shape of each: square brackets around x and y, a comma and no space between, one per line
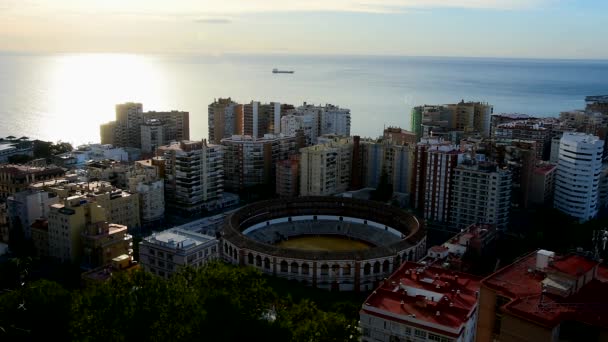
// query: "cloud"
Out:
[212,21]
[209,10]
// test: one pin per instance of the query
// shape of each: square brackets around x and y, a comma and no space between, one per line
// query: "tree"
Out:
[384,191]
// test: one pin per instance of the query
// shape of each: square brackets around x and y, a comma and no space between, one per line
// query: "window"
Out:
[324,269]
[420,333]
[433,337]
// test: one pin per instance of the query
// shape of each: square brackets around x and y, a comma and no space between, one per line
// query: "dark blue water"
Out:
[67,96]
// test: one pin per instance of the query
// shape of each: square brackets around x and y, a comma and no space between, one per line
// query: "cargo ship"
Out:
[277,71]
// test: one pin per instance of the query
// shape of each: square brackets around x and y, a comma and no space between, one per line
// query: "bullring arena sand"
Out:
[323,243]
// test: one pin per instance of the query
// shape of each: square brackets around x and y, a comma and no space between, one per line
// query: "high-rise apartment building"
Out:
[176,124]
[439,120]
[307,122]
[431,120]
[288,177]
[250,162]
[193,175]
[152,135]
[472,116]
[542,185]
[527,130]
[519,157]
[578,175]
[384,157]
[261,119]
[126,130]
[326,169]
[434,165]
[223,119]
[335,120]
[481,194]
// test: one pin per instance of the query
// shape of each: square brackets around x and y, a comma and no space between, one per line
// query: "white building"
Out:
[152,135]
[166,252]
[307,121]
[26,206]
[143,179]
[193,175]
[326,169]
[578,175]
[335,120]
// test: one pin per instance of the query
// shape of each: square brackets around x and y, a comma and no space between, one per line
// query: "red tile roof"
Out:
[423,291]
[573,265]
[521,282]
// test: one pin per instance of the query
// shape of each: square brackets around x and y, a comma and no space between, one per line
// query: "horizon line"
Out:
[293,54]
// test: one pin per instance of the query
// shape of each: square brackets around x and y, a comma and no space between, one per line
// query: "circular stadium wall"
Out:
[251,235]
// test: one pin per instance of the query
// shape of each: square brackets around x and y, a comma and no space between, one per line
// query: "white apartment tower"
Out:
[578,175]
[193,175]
[326,169]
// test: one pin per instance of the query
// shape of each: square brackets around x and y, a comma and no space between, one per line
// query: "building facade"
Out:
[176,124]
[481,194]
[288,177]
[193,172]
[67,222]
[434,165]
[471,116]
[166,252]
[16,178]
[102,242]
[250,162]
[126,130]
[545,297]
[152,135]
[578,175]
[222,119]
[326,169]
[422,303]
[25,207]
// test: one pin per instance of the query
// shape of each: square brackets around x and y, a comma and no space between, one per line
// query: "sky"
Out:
[464,28]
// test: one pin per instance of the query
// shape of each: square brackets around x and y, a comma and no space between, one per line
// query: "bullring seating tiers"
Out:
[278,232]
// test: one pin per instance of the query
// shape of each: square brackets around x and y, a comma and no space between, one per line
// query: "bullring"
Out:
[251,235]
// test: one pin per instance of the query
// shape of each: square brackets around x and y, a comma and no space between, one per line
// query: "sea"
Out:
[65,97]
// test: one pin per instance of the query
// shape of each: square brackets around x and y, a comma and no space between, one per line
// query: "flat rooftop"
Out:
[427,296]
[178,239]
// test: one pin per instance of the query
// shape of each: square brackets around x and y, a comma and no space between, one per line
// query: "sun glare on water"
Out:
[84,88]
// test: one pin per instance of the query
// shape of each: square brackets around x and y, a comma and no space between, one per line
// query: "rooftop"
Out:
[531,297]
[545,169]
[580,137]
[178,239]
[426,296]
[514,116]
